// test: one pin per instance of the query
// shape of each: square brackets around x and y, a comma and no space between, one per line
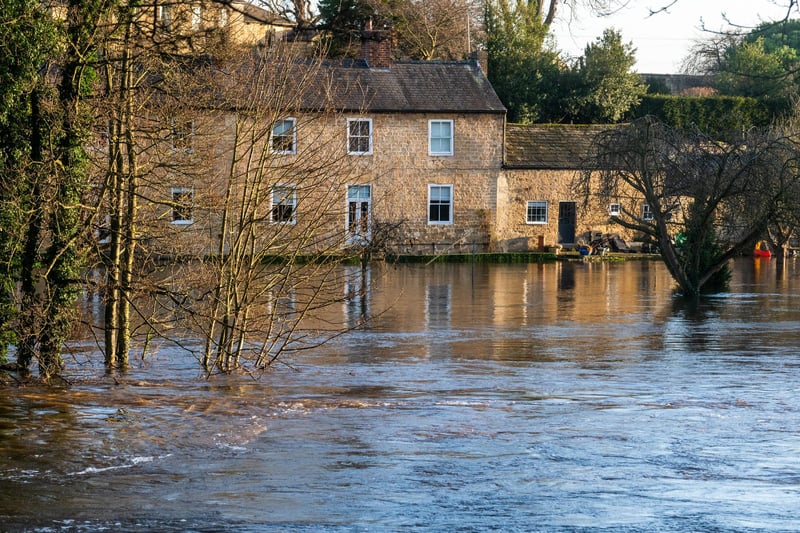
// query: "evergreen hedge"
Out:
[711,114]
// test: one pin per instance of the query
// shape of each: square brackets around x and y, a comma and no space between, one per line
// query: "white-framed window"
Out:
[359,136]
[647,212]
[440,137]
[614,209]
[163,16]
[284,204]
[359,202]
[181,134]
[182,205]
[440,204]
[284,136]
[224,17]
[536,212]
[197,16]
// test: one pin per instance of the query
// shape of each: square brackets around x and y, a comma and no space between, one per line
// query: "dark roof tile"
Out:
[549,146]
[413,86]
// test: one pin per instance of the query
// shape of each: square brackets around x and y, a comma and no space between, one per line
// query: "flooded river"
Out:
[558,397]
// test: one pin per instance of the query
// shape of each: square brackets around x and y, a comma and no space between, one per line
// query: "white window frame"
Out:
[357,138]
[181,135]
[284,190]
[614,209]
[359,229]
[439,152]
[536,204]
[176,193]
[293,136]
[647,212]
[164,16]
[224,17]
[437,186]
[197,16]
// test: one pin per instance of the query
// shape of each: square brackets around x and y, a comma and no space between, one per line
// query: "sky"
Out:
[663,40]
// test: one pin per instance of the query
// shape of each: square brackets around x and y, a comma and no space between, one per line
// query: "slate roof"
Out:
[411,86]
[549,146]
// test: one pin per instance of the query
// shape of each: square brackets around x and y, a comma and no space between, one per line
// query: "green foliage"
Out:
[522,69]
[751,70]
[605,88]
[27,38]
[344,19]
[698,250]
[712,114]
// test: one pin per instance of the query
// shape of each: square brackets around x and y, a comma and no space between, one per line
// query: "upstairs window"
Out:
[440,137]
[182,205]
[440,204]
[197,17]
[284,204]
[359,136]
[284,136]
[182,135]
[614,209]
[647,212]
[537,212]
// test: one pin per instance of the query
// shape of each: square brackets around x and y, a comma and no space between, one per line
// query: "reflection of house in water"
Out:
[438,305]
[357,283]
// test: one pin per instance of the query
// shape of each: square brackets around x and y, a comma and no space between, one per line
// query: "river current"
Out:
[558,397]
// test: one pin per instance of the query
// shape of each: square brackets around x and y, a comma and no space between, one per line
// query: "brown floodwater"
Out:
[557,397]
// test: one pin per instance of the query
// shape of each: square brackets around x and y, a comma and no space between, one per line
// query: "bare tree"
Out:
[700,200]
[260,209]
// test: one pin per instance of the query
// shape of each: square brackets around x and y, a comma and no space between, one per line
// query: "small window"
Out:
[197,17]
[440,137]
[182,135]
[359,136]
[284,204]
[284,137]
[440,204]
[614,210]
[224,16]
[182,205]
[537,212]
[163,17]
[647,212]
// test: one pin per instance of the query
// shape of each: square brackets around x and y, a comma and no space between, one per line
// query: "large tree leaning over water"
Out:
[700,200]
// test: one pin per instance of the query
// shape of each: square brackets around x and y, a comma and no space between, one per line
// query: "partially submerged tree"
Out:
[25,42]
[699,200]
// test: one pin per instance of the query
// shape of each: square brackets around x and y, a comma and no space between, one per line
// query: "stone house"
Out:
[418,158]
[412,152]
[537,204]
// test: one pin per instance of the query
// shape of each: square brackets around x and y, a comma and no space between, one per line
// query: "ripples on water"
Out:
[561,397]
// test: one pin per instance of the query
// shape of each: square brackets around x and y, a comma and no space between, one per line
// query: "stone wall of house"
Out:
[399,169]
[403,171]
[516,187]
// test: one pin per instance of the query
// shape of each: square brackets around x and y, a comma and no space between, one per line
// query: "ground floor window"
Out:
[359,200]
[182,204]
[537,212]
[440,204]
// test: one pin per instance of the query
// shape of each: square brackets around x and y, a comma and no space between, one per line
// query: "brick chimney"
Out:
[481,58]
[376,46]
